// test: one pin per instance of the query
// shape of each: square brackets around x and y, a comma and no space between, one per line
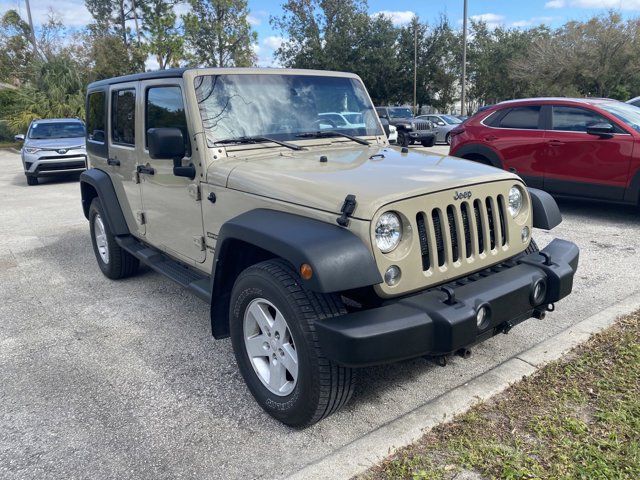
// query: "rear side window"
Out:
[123,117]
[96,117]
[165,108]
[573,119]
[525,118]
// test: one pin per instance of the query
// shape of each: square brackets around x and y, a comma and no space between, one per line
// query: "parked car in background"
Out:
[343,119]
[410,129]
[569,147]
[53,147]
[634,101]
[443,124]
[463,118]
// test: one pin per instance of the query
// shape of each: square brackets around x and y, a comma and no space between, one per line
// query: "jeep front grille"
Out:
[422,126]
[441,231]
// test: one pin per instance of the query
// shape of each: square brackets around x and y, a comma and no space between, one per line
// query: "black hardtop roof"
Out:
[169,73]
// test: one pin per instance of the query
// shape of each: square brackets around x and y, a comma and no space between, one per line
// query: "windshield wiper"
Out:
[331,133]
[259,139]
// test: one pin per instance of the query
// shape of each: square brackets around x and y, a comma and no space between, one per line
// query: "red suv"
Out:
[568,147]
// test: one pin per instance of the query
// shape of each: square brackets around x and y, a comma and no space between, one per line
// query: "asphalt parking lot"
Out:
[104,379]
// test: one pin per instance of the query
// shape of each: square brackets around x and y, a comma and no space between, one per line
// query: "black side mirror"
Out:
[168,144]
[604,130]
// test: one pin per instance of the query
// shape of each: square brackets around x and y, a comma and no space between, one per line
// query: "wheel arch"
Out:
[339,260]
[96,183]
[632,192]
[475,152]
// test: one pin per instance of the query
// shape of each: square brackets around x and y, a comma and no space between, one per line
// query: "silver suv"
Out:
[53,147]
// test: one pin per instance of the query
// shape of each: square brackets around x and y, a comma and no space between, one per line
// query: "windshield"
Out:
[451,120]
[401,112]
[281,106]
[56,130]
[625,112]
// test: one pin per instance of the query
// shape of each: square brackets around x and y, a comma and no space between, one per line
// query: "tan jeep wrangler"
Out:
[319,247]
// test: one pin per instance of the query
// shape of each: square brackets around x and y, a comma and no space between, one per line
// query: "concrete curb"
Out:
[359,455]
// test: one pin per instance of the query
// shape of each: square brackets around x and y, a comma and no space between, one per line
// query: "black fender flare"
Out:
[95,182]
[477,149]
[546,214]
[339,260]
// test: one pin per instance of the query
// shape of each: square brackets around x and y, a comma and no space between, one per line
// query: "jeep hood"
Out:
[375,175]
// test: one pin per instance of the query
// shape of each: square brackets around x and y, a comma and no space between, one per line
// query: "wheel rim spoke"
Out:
[100,235]
[290,359]
[261,317]
[277,375]
[257,346]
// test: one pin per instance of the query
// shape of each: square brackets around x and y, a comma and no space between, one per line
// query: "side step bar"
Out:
[198,283]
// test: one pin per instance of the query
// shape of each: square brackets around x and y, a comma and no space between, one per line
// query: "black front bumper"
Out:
[436,322]
[421,135]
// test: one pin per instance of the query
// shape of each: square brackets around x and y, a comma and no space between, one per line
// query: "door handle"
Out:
[147,170]
[556,143]
[113,161]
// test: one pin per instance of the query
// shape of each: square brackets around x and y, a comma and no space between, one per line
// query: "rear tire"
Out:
[317,387]
[31,180]
[113,260]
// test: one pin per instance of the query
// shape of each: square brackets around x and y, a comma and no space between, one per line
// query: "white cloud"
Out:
[73,13]
[609,4]
[272,42]
[533,21]
[492,20]
[398,18]
[253,20]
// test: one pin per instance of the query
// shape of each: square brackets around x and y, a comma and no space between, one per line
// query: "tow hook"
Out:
[464,352]
[539,314]
[443,360]
[506,327]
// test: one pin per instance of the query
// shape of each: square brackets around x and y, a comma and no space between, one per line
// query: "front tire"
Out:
[113,260]
[272,324]
[403,139]
[31,180]
[447,139]
[429,142]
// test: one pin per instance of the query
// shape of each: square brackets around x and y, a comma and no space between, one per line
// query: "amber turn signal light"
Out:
[306,272]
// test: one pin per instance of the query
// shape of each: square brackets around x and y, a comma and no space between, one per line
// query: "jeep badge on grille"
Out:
[461,195]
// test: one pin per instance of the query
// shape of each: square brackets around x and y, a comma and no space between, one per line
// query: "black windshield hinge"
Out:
[347,210]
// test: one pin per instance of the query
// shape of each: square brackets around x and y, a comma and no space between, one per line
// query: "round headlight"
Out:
[515,201]
[388,232]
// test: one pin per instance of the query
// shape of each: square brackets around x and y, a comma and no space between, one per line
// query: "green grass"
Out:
[578,418]
[15,145]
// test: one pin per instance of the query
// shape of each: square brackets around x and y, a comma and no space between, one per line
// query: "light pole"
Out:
[33,32]
[463,80]
[415,65]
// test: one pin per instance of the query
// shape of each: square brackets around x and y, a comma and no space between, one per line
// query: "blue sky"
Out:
[513,13]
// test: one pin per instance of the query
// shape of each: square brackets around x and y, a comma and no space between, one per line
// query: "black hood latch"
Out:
[348,207]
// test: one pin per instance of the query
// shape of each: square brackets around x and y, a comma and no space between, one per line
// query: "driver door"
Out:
[172,205]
